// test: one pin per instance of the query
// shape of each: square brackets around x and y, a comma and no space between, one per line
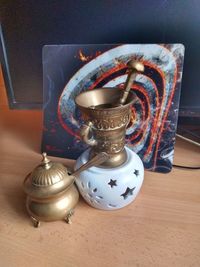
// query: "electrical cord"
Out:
[187,167]
[189,132]
[188,140]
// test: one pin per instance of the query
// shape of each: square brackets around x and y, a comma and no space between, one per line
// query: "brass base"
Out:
[114,160]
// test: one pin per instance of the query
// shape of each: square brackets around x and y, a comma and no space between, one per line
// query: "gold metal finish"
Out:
[107,113]
[85,132]
[51,193]
[47,180]
[50,189]
[135,67]
[107,122]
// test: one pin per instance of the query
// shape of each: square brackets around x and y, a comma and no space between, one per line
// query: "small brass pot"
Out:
[51,193]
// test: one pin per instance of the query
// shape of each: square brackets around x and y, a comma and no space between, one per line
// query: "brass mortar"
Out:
[107,113]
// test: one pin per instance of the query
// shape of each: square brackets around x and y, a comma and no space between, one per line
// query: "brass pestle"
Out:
[134,67]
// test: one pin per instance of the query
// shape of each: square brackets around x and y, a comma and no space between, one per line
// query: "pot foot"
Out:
[35,222]
[68,217]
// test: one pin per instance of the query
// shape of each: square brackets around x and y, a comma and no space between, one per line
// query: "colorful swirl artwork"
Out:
[151,131]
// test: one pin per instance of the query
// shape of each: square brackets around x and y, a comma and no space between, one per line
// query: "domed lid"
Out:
[47,179]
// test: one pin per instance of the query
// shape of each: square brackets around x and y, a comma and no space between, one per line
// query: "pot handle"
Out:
[85,132]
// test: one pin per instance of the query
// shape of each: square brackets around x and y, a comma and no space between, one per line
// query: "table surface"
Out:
[160,228]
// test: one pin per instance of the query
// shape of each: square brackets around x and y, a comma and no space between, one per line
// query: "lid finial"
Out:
[45,160]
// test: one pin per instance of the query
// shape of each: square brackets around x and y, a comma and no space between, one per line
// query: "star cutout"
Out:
[112,183]
[128,192]
[136,172]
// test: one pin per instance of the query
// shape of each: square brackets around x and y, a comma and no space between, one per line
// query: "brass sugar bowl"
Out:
[51,193]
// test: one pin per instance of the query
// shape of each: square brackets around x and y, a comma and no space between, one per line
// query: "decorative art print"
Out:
[71,69]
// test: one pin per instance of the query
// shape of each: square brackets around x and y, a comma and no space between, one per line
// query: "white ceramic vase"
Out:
[110,188]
